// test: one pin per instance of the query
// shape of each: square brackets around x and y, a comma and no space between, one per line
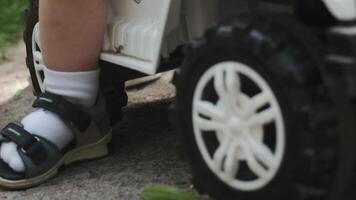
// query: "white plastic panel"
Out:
[135,33]
[140,32]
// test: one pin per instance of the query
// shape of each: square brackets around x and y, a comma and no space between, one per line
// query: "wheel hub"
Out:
[239,122]
[236,125]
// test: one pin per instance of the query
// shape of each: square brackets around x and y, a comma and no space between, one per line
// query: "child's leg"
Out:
[71,36]
[72,33]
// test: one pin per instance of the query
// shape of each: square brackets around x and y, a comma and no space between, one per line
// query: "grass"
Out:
[11,22]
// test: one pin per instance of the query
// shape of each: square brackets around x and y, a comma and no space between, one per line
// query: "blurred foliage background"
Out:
[11,22]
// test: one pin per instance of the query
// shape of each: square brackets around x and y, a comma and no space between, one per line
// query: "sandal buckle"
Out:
[24,150]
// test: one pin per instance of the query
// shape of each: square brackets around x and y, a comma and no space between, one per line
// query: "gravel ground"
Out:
[144,147]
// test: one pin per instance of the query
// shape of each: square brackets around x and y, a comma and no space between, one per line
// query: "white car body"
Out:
[141,32]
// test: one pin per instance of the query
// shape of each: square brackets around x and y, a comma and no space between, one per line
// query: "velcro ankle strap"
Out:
[65,109]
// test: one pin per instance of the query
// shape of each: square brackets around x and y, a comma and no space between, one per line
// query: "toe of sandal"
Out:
[39,156]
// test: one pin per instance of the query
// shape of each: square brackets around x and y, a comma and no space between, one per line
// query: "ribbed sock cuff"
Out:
[80,87]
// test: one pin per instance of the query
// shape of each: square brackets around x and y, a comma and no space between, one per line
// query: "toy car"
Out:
[265,98]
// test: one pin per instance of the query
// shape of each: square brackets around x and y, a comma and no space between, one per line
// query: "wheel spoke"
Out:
[208,125]
[231,164]
[263,117]
[37,40]
[220,153]
[227,85]
[37,56]
[219,83]
[259,100]
[262,152]
[39,67]
[37,36]
[209,110]
[252,162]
[232,83]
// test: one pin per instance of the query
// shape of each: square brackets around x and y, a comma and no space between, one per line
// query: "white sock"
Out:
[78,87]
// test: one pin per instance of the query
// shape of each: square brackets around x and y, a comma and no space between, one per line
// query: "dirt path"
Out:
[144,149]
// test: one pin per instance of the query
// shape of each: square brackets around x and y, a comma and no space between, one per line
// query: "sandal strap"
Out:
[65,109]
[26,142]
[53,155]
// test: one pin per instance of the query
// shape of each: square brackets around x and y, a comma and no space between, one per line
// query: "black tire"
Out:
[31,19]
[285,55]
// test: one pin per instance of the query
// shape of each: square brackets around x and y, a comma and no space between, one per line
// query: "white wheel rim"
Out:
[238,125]
[37,56]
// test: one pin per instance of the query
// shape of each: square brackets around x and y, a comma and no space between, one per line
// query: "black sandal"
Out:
[42,158]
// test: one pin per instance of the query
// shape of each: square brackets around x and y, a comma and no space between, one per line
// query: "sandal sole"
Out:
[87,152]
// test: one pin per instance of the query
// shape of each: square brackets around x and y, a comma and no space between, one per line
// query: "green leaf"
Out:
[166,193]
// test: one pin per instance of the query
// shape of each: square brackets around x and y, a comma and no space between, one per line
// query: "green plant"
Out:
[11,22]
[167,193]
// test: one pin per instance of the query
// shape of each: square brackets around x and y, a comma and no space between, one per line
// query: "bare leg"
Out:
[72,33]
